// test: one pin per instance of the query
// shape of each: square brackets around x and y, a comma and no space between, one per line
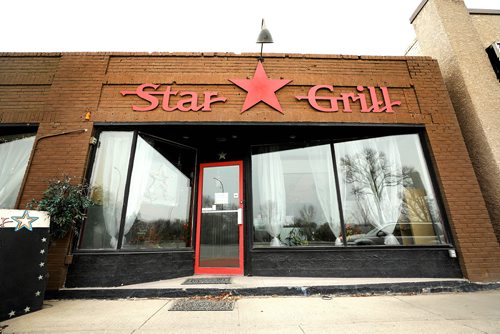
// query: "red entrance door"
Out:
[219,232]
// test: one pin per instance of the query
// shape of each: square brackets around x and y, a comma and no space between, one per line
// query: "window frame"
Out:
[88,175]
[428,162]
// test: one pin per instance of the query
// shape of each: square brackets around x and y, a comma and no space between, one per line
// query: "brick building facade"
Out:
[70,98]
[458,37]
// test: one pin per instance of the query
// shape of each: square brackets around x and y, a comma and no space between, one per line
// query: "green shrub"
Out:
[66,204]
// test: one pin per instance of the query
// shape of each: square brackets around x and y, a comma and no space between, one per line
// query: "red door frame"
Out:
[216,270]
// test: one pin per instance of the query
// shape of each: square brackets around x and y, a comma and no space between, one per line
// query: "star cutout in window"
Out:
[222,155]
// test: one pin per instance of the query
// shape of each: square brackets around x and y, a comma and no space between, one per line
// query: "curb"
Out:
[335,290]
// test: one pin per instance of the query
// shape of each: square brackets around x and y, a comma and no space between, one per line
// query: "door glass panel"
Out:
[219,233]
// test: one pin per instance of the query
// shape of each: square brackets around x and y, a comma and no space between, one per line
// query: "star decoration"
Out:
[260,88]
[37,293]
[24,221]
[12,313]
[41,264]
[222,155]
[40,277]
[44,239]
[27,309]
[42,251]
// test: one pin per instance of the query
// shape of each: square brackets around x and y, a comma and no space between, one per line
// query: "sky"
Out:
[355,27]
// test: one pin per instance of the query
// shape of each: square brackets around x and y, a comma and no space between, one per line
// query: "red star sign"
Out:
[260,88]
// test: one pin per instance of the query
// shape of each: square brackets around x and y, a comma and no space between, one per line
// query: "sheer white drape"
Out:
[166,183]
[14,156]
[155,180]
[272,196]
[320,161]
[110,174]
[376,177]
[141,170]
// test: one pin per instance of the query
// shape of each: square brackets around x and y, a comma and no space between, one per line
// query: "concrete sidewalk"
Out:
[475,312]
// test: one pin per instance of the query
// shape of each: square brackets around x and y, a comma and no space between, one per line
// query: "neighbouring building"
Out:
[300,165]
[466,44]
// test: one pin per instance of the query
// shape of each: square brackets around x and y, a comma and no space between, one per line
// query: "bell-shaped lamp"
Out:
[264,37]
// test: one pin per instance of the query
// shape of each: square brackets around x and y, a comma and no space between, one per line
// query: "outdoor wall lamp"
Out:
[264,37]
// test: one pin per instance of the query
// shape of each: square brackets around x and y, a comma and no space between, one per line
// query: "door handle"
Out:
[240,216]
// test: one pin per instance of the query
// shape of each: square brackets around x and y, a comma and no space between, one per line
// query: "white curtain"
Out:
[141,170]
[14,156]
[320,161]
[110,174]
[272,196]
[377,175]
[166,182]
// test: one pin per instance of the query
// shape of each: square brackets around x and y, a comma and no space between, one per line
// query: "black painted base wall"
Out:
[106,270]
[430,263]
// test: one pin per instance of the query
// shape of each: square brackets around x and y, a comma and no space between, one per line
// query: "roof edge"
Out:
[206,54]
[417,10]
[484,11]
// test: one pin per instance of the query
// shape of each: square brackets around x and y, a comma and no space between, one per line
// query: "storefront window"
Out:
[109,176]
[387,195]
[294,197]
[15,151]
[159,194]
[158,202]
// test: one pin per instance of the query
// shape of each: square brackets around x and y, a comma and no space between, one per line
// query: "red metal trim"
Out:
[222,270]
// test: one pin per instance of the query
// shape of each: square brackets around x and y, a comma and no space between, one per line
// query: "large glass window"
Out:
[294,197]
[386,195]
[155,192]
[15,151]
[159,199]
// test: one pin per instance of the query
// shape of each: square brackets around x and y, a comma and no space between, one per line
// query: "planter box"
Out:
[24,242]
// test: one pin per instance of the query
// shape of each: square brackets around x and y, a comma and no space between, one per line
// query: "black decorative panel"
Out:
[24,243]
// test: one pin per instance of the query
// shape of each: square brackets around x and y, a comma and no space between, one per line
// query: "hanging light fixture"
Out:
[264,37]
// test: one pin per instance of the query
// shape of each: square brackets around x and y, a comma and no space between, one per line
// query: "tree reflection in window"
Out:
[385,190]
[374,185]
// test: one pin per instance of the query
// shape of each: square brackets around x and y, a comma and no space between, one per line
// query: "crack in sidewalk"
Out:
[145,321]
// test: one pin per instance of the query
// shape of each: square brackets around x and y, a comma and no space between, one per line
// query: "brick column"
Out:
[62,143]
[446,32]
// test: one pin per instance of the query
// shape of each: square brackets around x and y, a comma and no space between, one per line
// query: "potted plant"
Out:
[30,263]
[66,204]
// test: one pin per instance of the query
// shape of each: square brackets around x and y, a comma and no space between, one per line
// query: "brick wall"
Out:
[57,90]
[54,92]
[447,32]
